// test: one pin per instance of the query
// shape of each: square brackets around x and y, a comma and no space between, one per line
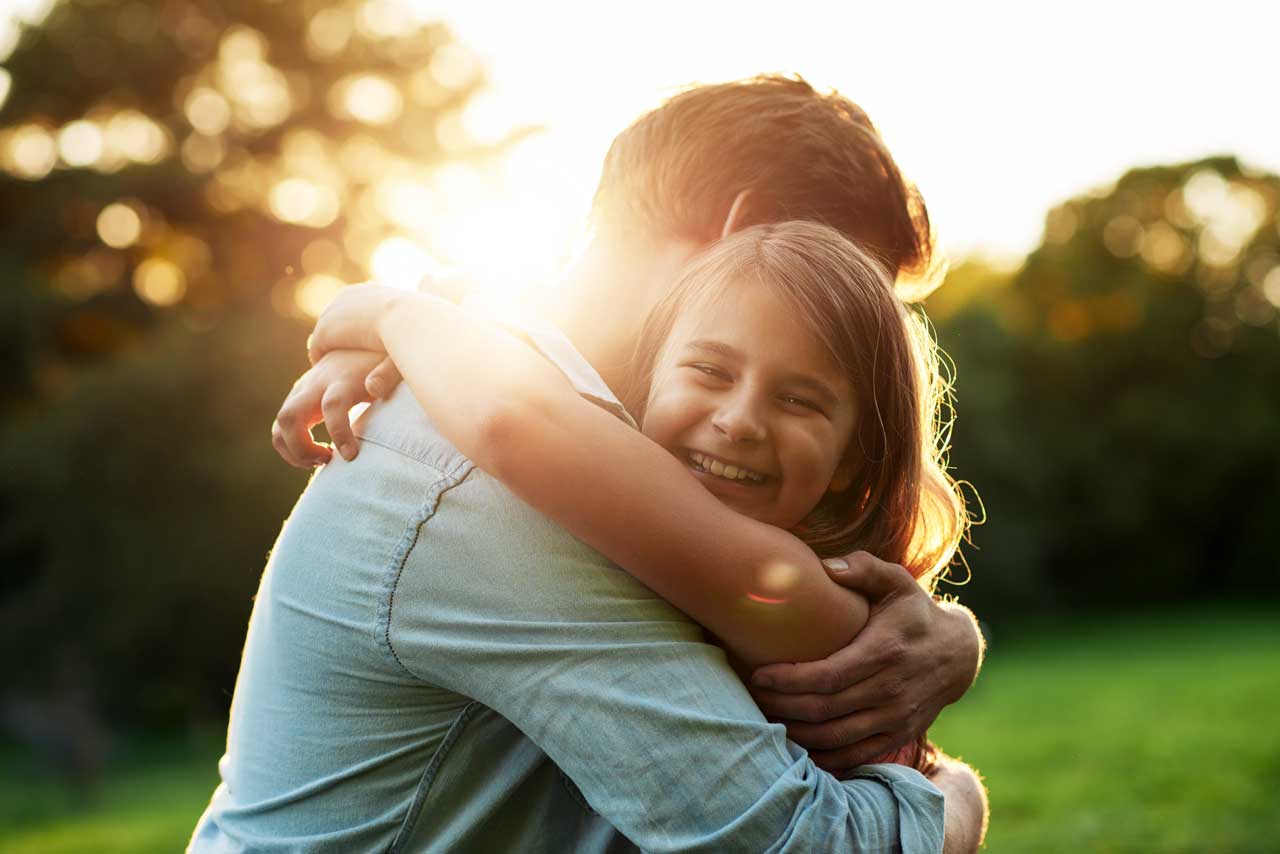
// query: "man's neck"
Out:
[604,296]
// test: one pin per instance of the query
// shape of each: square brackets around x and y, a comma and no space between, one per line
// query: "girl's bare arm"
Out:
[758,588]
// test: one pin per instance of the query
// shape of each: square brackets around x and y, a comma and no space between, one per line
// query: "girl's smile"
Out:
[753,404]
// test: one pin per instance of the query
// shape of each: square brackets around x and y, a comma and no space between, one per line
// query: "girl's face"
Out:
[755,406]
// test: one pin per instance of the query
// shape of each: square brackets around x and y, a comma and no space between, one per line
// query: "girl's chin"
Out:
[749,499]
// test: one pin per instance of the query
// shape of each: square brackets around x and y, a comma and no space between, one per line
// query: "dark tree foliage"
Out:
[1119,397]
[144,357]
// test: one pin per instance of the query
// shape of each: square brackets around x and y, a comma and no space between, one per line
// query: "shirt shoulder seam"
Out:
[410,539]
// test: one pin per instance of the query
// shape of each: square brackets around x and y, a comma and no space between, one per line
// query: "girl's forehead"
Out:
[756,321]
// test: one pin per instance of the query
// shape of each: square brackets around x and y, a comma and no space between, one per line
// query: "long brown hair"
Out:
[902,506]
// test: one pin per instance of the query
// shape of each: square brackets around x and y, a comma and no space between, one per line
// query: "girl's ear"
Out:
[843,478]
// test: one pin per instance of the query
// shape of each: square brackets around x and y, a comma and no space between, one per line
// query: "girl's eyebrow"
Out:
[718,347]
[805,381]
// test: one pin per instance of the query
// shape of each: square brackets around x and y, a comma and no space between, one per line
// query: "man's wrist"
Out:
[967,646]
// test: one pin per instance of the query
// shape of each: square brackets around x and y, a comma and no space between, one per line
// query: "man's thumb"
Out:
[867,574]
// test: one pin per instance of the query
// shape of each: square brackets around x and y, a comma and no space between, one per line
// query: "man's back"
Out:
[413,606]
[332,744]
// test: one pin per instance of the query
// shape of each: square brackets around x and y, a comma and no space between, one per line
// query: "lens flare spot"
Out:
[776,580]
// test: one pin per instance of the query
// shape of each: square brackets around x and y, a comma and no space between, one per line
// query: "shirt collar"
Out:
[556,348]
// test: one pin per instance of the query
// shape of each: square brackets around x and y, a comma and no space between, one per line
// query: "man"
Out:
[431,665]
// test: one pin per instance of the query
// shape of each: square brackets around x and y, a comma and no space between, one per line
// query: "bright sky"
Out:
[997,110]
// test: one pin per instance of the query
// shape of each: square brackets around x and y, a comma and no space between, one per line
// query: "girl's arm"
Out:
[759,589]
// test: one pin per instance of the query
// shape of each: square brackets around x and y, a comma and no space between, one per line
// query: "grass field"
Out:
[1156,734]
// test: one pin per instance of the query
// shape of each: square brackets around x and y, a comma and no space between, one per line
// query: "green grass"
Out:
[1151,734]
[148,801]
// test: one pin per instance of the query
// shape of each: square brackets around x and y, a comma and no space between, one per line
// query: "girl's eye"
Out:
[792,400]
[710,370]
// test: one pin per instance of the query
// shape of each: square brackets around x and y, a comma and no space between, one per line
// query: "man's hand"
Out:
[326,393]
[913,657]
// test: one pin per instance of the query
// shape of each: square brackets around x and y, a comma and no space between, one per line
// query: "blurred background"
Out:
[184,184]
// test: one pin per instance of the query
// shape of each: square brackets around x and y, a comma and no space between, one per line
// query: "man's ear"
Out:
[739,211]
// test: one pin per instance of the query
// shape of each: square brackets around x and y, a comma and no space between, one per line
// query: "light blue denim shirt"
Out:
[427,652]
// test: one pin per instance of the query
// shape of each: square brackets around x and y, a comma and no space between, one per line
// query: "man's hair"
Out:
[804,155]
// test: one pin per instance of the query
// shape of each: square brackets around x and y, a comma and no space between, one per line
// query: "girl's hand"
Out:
[326,393]
[351,321]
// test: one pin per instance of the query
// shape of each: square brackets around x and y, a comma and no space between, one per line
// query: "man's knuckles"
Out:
[827,678]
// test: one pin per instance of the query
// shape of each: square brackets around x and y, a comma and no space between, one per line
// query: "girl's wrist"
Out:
[391,315]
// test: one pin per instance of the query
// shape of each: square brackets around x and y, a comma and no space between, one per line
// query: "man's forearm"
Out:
[969,650]
[967,811]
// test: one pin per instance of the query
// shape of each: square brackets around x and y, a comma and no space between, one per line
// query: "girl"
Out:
[782,373]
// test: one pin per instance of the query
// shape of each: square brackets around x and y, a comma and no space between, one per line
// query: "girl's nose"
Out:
[740,419]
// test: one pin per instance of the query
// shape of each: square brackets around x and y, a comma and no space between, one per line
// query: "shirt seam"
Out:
[403,453]
[407,543]
[429,776]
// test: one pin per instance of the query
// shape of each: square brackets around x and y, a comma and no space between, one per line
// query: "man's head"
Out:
[779,148]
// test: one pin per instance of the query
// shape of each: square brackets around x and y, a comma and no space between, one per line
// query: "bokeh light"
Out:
[321,256]
[299,201]
[160,282]
[328,32]
[202,153]
[119,225]
[31,152]
[1271,286]
[314,293]
[80,143]
[136,137]
[368,98]
[207,111]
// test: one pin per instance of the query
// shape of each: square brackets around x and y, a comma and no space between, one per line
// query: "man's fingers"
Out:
[842,669]
[874,578]
[382,380]
[816,708]
[336,407]
[839,733]
[844,759]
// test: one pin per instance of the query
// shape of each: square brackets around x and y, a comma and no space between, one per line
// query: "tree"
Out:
[181,184]
[1119,396]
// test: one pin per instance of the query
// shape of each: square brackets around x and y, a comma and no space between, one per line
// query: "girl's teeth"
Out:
[719,469]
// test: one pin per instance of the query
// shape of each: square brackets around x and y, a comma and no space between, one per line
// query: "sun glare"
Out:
[402,263]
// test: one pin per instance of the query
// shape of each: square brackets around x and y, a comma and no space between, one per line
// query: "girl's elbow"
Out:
[505,432]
